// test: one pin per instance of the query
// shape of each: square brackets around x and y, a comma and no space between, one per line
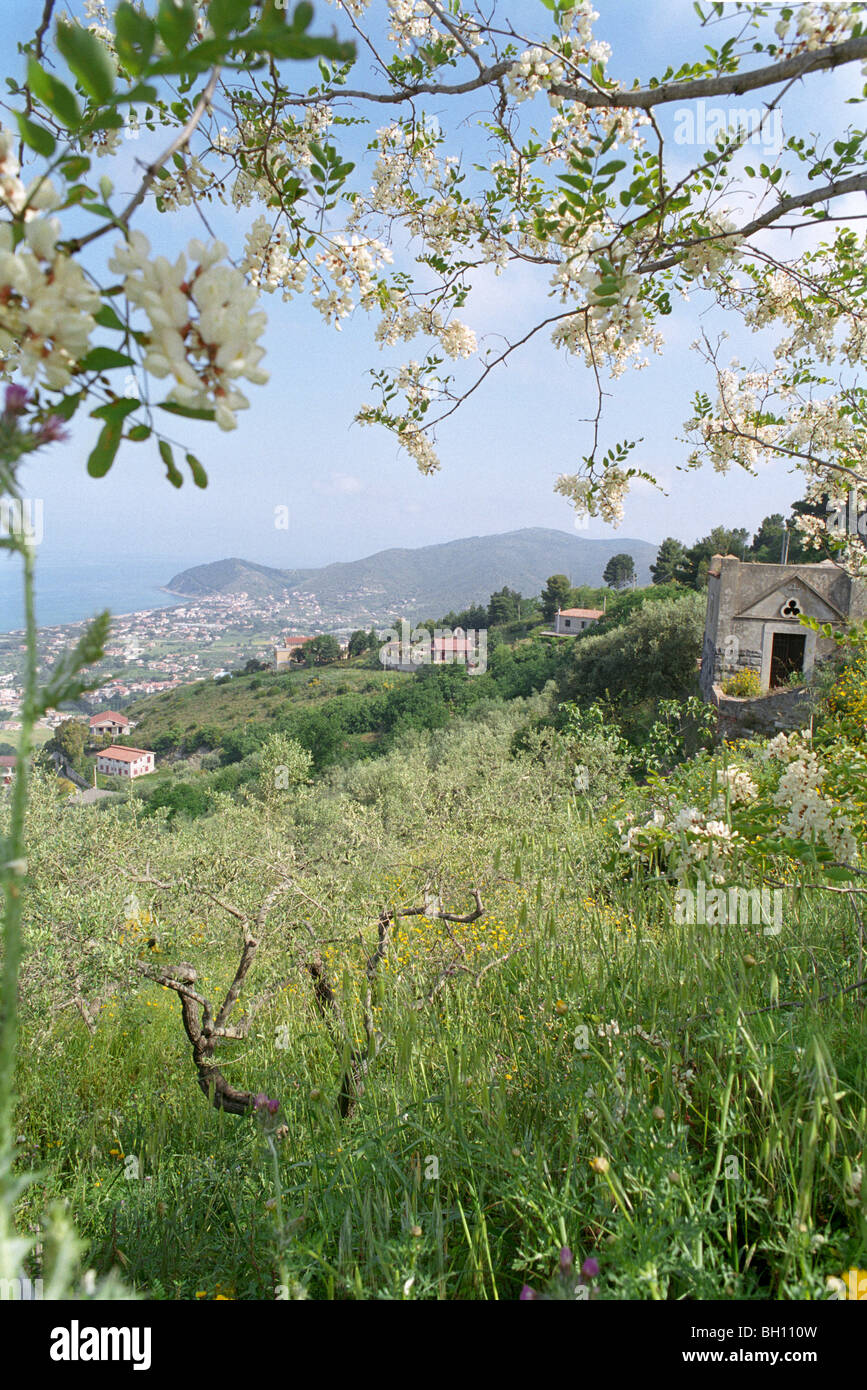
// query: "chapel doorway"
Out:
[787,656]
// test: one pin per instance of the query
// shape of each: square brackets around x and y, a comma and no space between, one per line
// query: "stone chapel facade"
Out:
[753,619]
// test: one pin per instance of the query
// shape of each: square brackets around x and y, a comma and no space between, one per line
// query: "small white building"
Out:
[124,762]
[571,620]
[109,722]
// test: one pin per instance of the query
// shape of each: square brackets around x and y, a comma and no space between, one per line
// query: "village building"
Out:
[8,763]
[571,620]
[124,762]
[753,620]
[109,722]
[290,650]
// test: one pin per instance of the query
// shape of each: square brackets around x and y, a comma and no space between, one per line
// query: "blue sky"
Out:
[348,489]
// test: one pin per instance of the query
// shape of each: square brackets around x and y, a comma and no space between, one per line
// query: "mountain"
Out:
[422,583]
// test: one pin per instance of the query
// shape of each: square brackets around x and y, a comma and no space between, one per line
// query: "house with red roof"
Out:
[115,761]
[571,620]
[109,722]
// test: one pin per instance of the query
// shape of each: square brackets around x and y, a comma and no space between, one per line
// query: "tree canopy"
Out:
[426,151]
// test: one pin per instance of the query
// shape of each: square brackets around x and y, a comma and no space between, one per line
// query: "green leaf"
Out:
[103,455]
[101,359]
[174,476]
[36,136]
[116,411]
[200,477]
[139,433]
[61,102]
[176,20]
[107,318]
[189,412]
[224,16]
[135,37]
[64,682]
[68,406]
[87,59]
[75,166]
[286,43]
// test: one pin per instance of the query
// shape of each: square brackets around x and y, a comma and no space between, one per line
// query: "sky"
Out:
[349,491]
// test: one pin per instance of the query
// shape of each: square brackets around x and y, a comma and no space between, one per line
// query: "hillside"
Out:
[426,582]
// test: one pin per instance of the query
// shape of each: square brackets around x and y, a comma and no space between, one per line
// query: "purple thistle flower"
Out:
[527,1293]
[16,399]
[259,1100]
[565,1259]
[273,1107]
[590,1268]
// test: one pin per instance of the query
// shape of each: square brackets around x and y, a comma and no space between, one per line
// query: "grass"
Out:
[252,697]
[614,1081]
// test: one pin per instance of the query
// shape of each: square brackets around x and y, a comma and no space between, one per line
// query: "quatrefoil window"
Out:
[791,609]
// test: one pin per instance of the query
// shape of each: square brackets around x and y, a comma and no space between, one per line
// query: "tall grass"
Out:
[615,1081]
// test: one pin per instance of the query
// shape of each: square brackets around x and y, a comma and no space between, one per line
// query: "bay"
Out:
[69,591]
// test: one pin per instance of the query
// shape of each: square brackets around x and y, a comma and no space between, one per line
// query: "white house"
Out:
[124,762]
[571,620]
[109,722]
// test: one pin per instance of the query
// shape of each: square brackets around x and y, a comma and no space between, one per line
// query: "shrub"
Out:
[745,685]
[654,654]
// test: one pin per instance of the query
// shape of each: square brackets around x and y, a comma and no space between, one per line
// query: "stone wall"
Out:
[763,714]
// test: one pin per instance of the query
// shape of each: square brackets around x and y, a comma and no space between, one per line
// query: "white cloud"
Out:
[341,485]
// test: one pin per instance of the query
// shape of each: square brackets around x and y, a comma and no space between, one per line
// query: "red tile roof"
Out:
[123,755]
[108,714]
[581,613]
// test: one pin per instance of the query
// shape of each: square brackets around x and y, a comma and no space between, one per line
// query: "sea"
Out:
[69,591]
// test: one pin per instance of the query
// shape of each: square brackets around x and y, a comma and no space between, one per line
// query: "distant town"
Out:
[157,649]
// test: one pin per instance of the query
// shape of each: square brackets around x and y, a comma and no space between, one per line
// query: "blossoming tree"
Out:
[572,178]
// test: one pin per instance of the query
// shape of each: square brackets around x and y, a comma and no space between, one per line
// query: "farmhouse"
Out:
[571,620]
[8,763]
[753,620]
[109,722]
[290,649]
[124,762]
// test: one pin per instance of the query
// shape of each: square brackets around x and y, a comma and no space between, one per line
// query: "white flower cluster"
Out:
[47,306]
[717,248]
[38,196]
[457,339]
[420,449]
[409,22]
[182,188]
[268,260]
[352,268]
[736,788]
[693,838]
[288,146]
[535,71]
[826,326]
[538,69]
[818,25]
[742,428]
[811,816]
[402,321]
[204,326]
[602,497]
[785,746]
